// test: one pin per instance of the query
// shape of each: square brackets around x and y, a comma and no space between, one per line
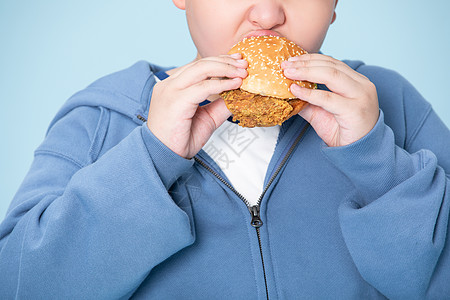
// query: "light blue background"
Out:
[51,49]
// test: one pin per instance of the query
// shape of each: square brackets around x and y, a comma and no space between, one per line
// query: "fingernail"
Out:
[295,88]
[236,55]
[294,58]
[286,64]
[289,71]
[243,72]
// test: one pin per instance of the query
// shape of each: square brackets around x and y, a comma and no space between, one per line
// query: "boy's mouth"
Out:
[261,33]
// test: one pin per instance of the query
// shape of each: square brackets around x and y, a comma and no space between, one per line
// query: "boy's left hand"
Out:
[345,114]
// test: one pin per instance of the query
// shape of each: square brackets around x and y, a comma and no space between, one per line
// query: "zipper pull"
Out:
[141,118]
[256,220]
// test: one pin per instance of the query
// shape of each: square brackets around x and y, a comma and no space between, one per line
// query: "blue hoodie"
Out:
[109,212]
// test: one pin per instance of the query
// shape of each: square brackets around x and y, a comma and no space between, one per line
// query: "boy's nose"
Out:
[267,14]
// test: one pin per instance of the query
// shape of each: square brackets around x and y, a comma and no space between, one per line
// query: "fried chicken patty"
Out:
[255,110]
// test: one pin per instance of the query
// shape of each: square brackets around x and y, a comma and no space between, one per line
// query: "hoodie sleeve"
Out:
[396,230]
[86,230]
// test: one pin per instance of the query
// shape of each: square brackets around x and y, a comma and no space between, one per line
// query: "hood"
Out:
[127,92]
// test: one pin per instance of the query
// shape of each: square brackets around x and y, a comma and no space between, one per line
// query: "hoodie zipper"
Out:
[256,221]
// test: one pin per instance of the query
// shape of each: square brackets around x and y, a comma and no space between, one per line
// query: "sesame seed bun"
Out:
[264,98]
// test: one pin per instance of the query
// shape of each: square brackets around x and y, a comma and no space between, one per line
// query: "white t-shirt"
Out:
[243,154]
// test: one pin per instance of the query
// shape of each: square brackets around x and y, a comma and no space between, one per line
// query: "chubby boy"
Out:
[124,199]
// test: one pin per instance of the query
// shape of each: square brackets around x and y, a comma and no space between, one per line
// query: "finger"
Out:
[233,59]
[336,80]
[305,63]
[314,56]
[206,69]
[329,101]
[311,56]
[202,90]
[324,60]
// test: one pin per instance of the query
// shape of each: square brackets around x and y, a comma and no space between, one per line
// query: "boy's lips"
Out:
[261,32]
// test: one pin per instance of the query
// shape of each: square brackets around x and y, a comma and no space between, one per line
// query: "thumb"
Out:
[317,116]
[308,112]
[218,111]
[323,122]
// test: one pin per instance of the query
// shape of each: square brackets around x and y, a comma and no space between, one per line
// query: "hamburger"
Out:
[264,98]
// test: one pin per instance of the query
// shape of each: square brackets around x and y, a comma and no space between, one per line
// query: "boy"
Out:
[125,198]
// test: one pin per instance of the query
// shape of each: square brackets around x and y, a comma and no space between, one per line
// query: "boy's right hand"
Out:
[175,116]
